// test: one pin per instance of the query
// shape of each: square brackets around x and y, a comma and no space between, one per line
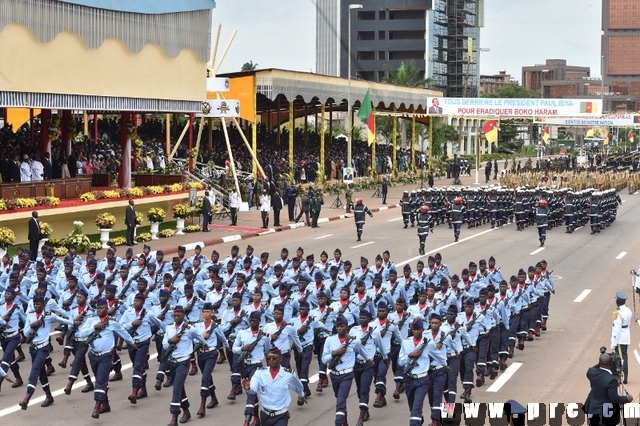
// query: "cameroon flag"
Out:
[490,130]
[636,119]
[631,136]
[586,107]
[546,134]
[366,114]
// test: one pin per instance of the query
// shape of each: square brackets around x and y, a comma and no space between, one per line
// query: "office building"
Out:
[440,37]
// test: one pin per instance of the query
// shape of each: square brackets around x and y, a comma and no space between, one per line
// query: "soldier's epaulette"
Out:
[288,370]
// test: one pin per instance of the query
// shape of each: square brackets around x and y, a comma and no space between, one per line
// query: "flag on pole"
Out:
[366,114]
[490,130]
[586,107]
[546,134]
[631,136]
[590,132]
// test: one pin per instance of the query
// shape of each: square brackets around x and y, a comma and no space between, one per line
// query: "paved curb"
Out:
[245,235]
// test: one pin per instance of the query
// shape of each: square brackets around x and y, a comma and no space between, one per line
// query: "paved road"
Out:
[550,369]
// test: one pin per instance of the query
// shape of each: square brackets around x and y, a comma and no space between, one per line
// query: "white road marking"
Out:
[404,262]
[624,201]
[393,220]
[579,227]
[500,381]
[582,295]
[78,385]
[621,255]
[362,245]
[314,379]
[635,352]
[324,236]
[537,251]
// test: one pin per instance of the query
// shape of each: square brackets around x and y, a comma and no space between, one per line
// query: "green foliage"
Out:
[249,66]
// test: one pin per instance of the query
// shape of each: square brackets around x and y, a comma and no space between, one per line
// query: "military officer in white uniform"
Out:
[620,334]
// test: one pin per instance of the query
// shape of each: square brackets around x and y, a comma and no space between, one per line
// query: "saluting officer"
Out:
[456,216]
[425,225]
[620,335]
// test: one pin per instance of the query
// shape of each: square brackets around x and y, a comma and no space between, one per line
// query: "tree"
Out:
[249,66]
[512,91]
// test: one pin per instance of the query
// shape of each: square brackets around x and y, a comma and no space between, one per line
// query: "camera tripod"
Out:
[377,194]
[337,203]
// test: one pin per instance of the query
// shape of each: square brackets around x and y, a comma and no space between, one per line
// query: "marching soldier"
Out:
[37,331]
[207,358]
[273,384]
[359,210]
[339,354]
[620,334]
[456,215]
[471,321]
[405,203]
[79,347]
[542,221]
[425,225]
[415,355]
[178,346]
[11,314]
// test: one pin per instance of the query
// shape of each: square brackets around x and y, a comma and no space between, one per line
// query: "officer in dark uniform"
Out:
[359,210]
[384,190]
[405,204]
[425,225]
[456,216]
[542,221]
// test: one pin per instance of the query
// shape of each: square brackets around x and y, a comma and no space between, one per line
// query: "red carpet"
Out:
[237,228]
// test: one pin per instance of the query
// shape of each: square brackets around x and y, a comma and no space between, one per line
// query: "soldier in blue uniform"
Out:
[100,332]
[182,335]
[415,355]
[37,331]
[254,345]
[339,354]
[79,346]
[272,385]
[207,358]
[471,321]
[11,314]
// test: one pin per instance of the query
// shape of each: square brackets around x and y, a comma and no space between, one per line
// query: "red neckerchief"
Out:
[274,373]
[416,342]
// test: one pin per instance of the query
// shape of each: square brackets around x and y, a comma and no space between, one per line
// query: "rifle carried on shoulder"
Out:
[413,361]
[245,354]
[336,359]
[173,346]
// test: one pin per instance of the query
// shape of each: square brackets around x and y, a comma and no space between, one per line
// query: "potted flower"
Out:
[7,237]
[45,233]
[105,222]
[181,212]
[156,216]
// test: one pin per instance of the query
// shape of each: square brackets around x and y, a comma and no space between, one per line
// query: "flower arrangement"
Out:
[195,185]
[181,211]
[55,242]
[77,227]
[131,128]
[144,237]
[176,187]
[60,251]
[110,193]
[105,221]
[87,196]
[136,192]
[25,203]
[3,205]
[45,230]
[7,237]
[156,214]
[48,201]
[154,190]
[81,242]
[137,144]
[166,233]
[54,128]
[191,228]
[139,218]
[96,246]
[117,241]
[193,153]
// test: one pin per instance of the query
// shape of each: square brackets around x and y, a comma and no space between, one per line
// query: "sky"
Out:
[281,34]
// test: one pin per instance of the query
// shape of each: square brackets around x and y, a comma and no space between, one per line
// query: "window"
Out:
[382,15]
[366,35]
[382,55]
[382,35]
[368,15]
[365,56]
[406,14]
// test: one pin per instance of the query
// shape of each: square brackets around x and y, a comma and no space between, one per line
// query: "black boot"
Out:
[96,410]
[67,389]
[203,404]
[214,399]
[48,399]
[174,420]
[25,402]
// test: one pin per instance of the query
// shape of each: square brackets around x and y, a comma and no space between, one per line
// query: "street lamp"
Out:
[349,123]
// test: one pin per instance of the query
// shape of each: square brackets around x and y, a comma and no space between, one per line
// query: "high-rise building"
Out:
[537,77]
[620,52]
[440,37]
[489,84]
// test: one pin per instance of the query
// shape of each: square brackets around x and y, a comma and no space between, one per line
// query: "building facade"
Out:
[537,76]
[440,37]
[620,52]
[489,84]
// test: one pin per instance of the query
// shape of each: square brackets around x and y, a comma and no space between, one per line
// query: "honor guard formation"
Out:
[430,331]
[540,207]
